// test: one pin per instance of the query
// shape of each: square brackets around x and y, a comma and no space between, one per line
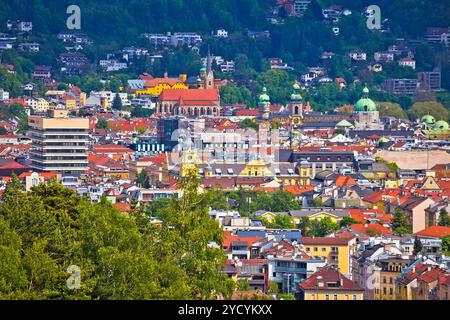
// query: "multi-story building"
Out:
[23,26]
[383,56]
[438,35]
[401,86]
[59,143]
[407,62]
[390,269]
[429,80]
[337,251]
[32,47]
[42,73]
[324,160]
[288,270]
[329,284]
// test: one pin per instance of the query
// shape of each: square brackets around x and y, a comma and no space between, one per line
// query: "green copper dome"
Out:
[296,96]
[203,70]
[365,104]
[428,119]
[441,125]
[264,97]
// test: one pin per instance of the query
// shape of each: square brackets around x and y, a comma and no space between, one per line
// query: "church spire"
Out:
[208,62]
[209,77]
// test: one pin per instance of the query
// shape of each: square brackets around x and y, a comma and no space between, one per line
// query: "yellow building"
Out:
[157,85]
[70,103]
[337,251]
[329,284]
[283,172]
[188,163]
[392,183]
[389,271]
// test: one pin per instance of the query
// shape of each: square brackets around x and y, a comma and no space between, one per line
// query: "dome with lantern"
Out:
[365,104]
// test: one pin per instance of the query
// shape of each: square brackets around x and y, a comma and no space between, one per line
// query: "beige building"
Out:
[59,143]
[415,211]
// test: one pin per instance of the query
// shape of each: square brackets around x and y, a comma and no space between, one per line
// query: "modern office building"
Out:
[59,143]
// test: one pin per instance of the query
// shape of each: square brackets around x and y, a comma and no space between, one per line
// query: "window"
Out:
[355,297]
[324,249]
[316,249]
[274,274]
[327,297]
[335,297]
[307,249]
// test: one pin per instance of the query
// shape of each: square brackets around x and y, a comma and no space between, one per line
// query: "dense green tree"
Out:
[322,227]
[437,110]
[444,218]
[389,109]
[417,246]
[347,221]
[400,222]
[117,103]
[445,246]
[140,112]
[199,241]
[49,231]
[102,124]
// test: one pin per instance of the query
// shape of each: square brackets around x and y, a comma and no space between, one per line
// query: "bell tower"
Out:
[209,77]
[296,106]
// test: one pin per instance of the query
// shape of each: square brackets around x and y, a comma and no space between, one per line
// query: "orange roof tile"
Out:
[434,232]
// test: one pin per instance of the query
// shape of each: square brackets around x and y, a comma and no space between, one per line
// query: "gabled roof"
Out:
[376,228]
[190,95]
[329,279]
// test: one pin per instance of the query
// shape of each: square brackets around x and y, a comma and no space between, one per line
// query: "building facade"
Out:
[59,143]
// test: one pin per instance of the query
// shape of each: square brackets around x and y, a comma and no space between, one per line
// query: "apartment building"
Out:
[59,143]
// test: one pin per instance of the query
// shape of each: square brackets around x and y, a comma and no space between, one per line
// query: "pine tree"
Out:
[444,218]
[117,103]
[400,222]
[417,246]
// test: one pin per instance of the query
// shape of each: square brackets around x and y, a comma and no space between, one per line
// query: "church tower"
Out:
[264,104]
[296,106]
[209,77]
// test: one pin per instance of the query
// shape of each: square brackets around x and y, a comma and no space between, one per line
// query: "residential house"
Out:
[414,209]
[329,284]
[336,250]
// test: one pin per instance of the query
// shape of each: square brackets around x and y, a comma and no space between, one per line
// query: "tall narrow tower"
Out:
[264,104]
[296,106]
[209,78]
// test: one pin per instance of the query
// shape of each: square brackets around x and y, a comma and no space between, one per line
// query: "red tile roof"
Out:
[434,232]
[247,113]
[329,275]
[190,95]
[229,237]
[110,148]
[342,181]
[376,228]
